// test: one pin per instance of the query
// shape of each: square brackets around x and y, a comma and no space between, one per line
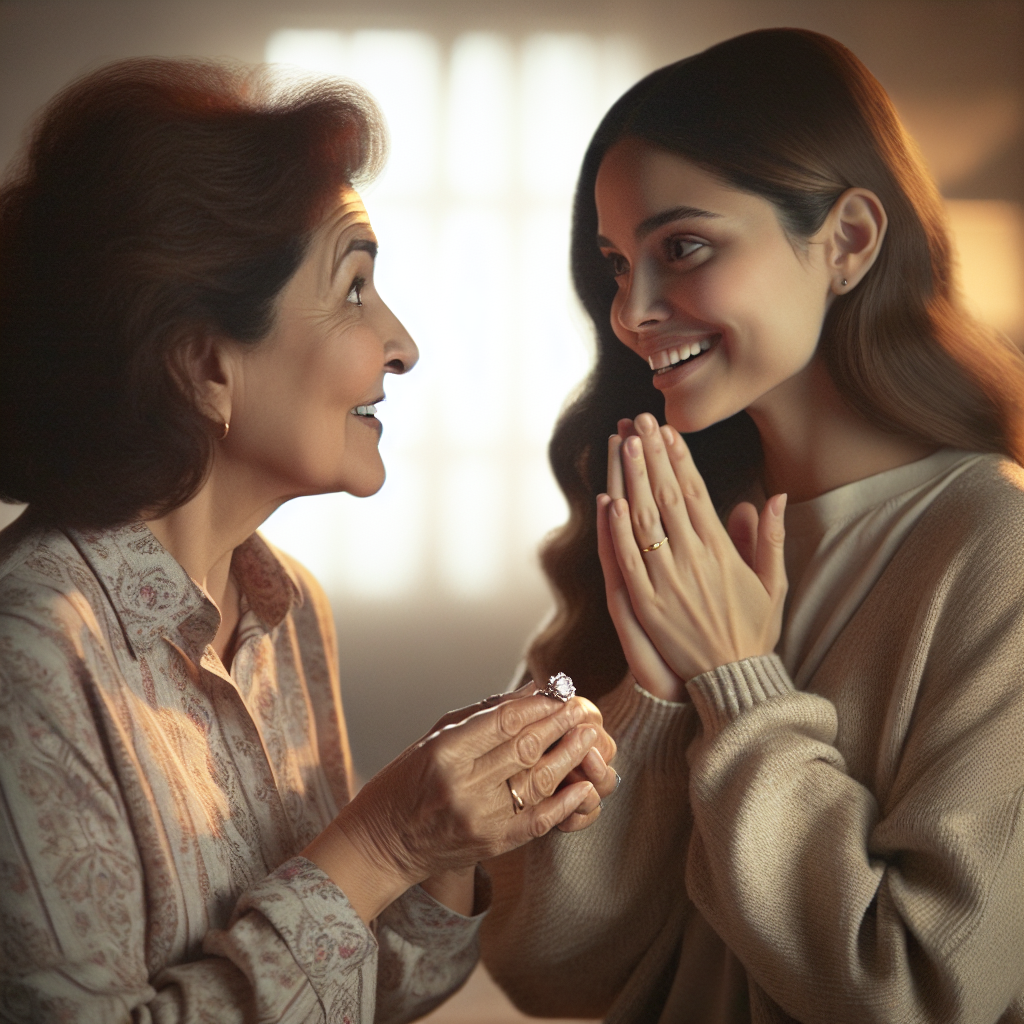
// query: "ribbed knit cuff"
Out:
[726,692]
[649,730]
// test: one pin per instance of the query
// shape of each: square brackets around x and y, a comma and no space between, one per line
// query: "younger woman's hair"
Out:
[157,200]
[796,118]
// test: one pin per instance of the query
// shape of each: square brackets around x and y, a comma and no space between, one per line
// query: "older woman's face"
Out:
[303,408]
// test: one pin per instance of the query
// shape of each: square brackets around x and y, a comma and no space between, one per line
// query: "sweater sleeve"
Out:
[844,908]
[579,917]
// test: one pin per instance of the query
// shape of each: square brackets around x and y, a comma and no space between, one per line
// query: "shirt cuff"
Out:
[314,918]
[418,918]
[724,693]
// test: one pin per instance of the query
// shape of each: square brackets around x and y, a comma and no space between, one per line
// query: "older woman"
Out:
[191,336]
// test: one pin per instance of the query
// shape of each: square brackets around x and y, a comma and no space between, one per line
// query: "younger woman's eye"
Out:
[618,265]
[355,292]
[680,248]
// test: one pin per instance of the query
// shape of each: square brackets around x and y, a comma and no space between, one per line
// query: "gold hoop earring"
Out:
[227,427]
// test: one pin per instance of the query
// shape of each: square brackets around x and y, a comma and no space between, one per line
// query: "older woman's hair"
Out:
[796,118]
[158,200]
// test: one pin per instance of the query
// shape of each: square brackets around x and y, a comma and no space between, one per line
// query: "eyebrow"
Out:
[355,245]
[652,223]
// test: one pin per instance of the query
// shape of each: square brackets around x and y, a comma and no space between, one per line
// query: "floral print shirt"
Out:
[152,803]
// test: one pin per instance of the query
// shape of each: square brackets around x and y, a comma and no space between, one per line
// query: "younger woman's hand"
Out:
[693,593]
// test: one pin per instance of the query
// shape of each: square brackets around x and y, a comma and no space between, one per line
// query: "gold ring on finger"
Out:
[654,547]
[517,801]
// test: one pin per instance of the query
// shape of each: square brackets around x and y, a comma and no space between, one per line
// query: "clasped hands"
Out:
[712,594]
[446,802]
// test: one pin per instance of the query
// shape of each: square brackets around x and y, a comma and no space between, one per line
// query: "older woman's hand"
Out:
[446,802]
[594,768]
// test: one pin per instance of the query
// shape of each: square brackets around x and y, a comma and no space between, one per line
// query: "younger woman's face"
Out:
[712,293]
[303,410]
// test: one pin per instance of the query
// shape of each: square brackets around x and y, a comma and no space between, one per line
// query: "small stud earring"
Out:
[843,282]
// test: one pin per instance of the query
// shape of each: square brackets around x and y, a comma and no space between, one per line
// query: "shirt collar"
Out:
[154,598]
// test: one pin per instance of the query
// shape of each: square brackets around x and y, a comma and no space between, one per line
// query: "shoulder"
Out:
[51,614]
[42,573]
[987,495]
[966,555]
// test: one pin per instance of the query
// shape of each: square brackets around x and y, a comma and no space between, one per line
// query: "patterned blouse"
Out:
[152,803]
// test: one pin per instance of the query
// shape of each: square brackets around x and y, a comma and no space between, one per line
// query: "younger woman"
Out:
[820,815]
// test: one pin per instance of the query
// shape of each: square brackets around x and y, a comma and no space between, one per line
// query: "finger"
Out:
[594,768]
[544,778]
[742,528]
[699,506]
[665,490]
[537,821]
[616,485]
[586,814]
[627,553]
[647,665]
[625,428]
[524,722]
[527,747]
[770,564]
[643,510]
[592,716]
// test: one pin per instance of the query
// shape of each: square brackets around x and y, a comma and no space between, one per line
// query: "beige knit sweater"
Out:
[849,852]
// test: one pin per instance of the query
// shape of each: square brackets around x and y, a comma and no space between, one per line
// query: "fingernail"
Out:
[778,505]
[646,423]
[668,435]
[634,447]
[588,736]
[603,500]
[618,510]
[594,760]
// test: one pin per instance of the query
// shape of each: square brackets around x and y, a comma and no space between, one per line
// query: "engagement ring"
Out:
[560,687]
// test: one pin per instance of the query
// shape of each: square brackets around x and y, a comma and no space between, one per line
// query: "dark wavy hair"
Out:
[157,199]
[794,117]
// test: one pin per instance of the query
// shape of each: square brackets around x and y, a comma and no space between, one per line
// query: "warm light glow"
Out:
[989,239]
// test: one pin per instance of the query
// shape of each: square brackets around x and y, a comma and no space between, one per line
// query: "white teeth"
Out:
[671,356]
[365,410]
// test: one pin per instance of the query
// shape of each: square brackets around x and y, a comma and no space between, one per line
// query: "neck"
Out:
[814,442]
[202,534]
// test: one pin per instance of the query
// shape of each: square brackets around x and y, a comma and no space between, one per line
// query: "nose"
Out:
[400,351]
[645,305]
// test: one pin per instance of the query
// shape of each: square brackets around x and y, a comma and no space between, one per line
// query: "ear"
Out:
[206,370]
[853,233]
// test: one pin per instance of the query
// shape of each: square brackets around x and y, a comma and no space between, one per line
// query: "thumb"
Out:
[770,563]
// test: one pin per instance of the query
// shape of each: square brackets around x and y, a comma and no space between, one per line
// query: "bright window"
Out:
[472,213]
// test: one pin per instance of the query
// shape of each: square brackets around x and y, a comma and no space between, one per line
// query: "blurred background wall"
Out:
[434,581]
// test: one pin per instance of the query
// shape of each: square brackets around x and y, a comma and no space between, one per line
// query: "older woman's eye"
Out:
[680,248]
[355,293]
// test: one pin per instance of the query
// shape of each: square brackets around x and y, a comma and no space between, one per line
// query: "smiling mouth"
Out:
[669,358]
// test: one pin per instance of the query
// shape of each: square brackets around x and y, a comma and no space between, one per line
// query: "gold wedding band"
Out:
[654,547]
[517,800]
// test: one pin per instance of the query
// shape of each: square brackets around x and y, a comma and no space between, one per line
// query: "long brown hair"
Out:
[796,118]
[157,199]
